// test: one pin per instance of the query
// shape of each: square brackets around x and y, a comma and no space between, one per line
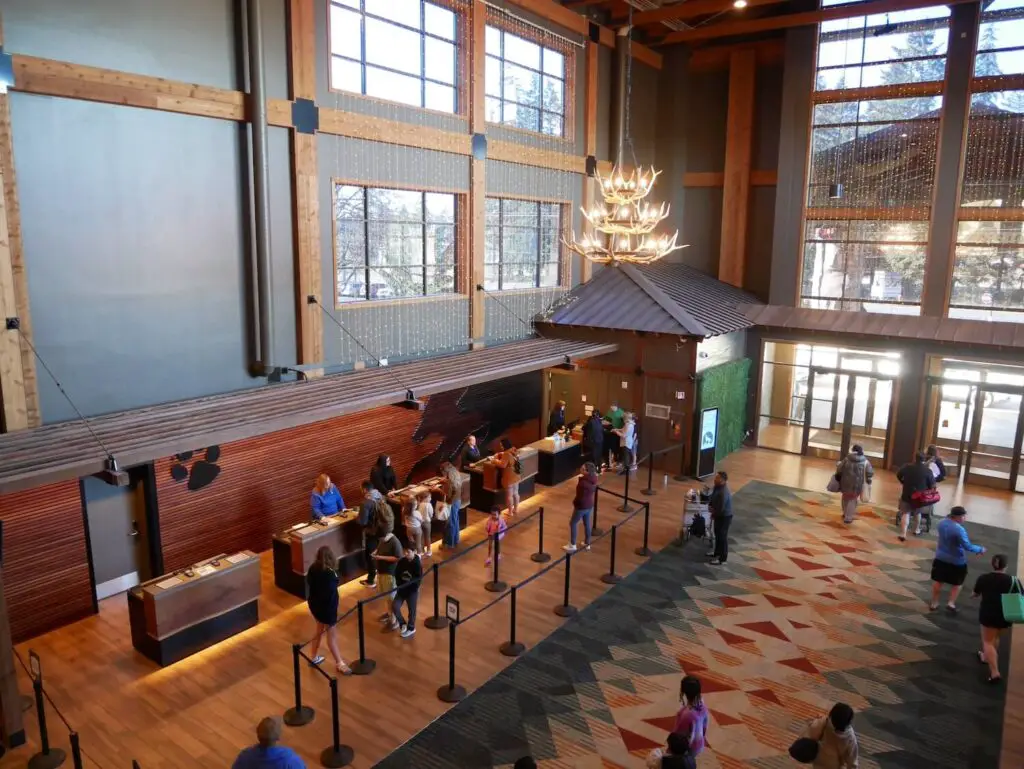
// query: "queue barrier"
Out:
[650,491]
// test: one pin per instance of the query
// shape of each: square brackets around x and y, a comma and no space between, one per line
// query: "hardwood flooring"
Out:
[201,711]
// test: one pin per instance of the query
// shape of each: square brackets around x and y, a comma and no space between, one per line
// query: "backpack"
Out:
[383,518]
[699,527]
[517,466]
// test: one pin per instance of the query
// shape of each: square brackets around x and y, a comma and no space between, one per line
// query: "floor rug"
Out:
[807,612]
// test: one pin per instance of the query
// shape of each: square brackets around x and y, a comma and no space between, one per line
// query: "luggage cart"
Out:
[696,505]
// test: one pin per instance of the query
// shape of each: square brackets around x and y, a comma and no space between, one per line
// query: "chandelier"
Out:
[624,226]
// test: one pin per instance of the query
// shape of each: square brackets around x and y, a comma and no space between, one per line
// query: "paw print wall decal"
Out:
[200,473]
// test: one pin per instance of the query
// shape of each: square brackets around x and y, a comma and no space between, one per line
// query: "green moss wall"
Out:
[725,387]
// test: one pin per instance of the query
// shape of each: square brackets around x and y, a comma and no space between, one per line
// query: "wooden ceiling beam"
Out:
[691,9]
[785,21]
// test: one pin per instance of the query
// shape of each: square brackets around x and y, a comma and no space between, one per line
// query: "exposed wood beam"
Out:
[978,214]
[765,178]
[857,214]
[692,9]
[739,147]
[933,88]
[477,178]
[513,152]
[305,188]
[716,57]
[785,21]
[997,83]
[359,126]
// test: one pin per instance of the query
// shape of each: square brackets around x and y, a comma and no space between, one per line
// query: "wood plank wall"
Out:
[46,561]
[264,483]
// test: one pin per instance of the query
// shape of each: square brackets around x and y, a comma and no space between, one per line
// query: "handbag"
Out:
[1013,603]
[833,484]
[442,511]
[865,493]
[925,497]
[804,750]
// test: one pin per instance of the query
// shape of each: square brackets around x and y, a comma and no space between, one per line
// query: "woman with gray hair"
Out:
[854,474]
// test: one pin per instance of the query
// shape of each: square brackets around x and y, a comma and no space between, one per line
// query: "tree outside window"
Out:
[522,245]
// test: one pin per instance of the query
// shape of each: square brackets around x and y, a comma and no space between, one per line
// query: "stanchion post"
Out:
[596,530]
[644,550]
[496,585]
[438,621]
[512,648]
[362,666]
[300,715]
[336,755]
[565,609]
[624,507]
[76,750]
[540,556]
[650,491]
[48,757]
[451,692]
[681,476]
[611,577]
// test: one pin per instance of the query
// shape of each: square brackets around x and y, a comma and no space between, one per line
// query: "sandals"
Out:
[981,658]
[344,669]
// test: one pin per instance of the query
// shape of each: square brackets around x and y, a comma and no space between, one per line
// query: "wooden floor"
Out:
[200,712]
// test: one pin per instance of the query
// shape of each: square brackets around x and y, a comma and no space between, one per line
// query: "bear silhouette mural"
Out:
[199,471]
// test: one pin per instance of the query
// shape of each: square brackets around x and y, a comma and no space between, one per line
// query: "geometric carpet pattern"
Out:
[806,613]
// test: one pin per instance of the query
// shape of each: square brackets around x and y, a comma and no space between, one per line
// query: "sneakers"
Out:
[390,626]
[717,562]
[570,548]
[408,632]
[385,618]
[710,554]
[487,563]
[317,659]
[586,548]
[917,532]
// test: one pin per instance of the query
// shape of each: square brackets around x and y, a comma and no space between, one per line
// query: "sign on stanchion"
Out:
[336,755]
[451,692]
[49,757]
[300,714]
[540,556]
[437,621]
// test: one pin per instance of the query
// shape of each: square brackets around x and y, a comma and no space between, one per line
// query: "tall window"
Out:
[399,50]
[393,243]
[988,271]
[525,83]
[522,245]
[877,105]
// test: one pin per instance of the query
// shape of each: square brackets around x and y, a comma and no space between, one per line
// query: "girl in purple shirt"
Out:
[692,718]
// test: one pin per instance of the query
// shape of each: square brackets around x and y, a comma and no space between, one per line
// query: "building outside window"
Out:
[525,83]
[399,50]
[522,244]
[877,105]
[391,243]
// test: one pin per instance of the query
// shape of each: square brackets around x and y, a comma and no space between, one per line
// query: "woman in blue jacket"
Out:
[326,499]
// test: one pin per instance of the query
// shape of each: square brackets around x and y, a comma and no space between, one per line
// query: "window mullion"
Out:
[366,238]
[423,246]
[536,265]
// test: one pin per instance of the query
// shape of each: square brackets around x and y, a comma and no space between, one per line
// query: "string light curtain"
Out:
[398,214]
[534,132]
[876,110]
[988,271]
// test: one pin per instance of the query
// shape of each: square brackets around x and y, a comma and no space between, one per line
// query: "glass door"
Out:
[948,417]
[993,453]
[846,409]
[823,415]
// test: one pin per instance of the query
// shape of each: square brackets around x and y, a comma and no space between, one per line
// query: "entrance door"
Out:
[844,409]
[116,516]
[949,415]
[994,450]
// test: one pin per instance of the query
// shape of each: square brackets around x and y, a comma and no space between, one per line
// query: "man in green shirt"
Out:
[616,417]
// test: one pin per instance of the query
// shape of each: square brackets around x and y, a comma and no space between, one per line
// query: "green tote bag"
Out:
[1013,603]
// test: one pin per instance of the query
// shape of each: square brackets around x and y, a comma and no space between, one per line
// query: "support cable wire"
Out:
[508,309]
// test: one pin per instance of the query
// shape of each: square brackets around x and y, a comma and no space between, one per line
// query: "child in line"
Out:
[413,526]
[425,513]
[495,526]
[407,575]
[389,551]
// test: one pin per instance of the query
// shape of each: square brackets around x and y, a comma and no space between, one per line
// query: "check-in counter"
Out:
[179,614]
[557,462]
[295,550]
[486,488]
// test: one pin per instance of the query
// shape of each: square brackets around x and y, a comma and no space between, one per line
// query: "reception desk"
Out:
[557,463]
[485,487]
[177,615]
[295,550]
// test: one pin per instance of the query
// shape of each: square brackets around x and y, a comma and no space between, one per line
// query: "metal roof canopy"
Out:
[51,453]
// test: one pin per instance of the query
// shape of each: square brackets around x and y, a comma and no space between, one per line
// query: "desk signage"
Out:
[451,609]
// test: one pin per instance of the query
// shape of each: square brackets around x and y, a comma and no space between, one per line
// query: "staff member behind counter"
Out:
[557,420]
[326,499]
[382,476]
[470,452]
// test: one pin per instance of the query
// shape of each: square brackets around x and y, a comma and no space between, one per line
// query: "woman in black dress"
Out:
[322,588]
[382,475]
[991,588]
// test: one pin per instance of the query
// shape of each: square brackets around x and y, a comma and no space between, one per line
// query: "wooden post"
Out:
[12,728]
[589,142]
[305,191]
[738,151]
[477,172]
[19,396]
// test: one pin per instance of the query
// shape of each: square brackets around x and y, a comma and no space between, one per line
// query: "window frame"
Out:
[546,41]
[460,8]
[458,240]
[564,211]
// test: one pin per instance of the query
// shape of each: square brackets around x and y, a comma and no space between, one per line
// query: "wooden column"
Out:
[305,193]
[739,134]
[477,168]
[589,143]
[12,728]
[19,394]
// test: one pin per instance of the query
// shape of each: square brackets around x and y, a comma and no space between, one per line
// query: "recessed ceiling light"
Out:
[739,4]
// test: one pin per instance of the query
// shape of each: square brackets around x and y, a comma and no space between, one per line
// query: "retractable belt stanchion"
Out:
[512,648]
[565,609]
[438,621]
[649,491]
[48,757]
[496,585]
[540,556]
[596,530]
[451,692]
[362,666]
[336,755]
[300,714]
[76,751]
[611,577]
[644,550]
[625,506]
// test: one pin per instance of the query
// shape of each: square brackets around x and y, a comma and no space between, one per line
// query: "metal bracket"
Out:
[305,116]
[591,166]
[594,32]
[13,324]
[479,147]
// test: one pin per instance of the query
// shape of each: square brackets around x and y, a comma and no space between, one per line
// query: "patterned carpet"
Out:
[806,613]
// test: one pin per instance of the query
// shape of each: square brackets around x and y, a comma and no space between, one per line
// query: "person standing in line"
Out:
[692,719]
[326,499]
[557,420]
[389,550]
[382,476]
[615,418]
[593,439]
[720,507]
[407,590]
[425,513]
[413,525]
[627,443]
[322,584]
[370,525]
[583,506]
[935,463]
[452,485]
[470,453]
[837,742]
[916,478]
[496,526]
[266,753]
[511,474]
[991,588]
[854,474]
[950,564]
[677,754]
